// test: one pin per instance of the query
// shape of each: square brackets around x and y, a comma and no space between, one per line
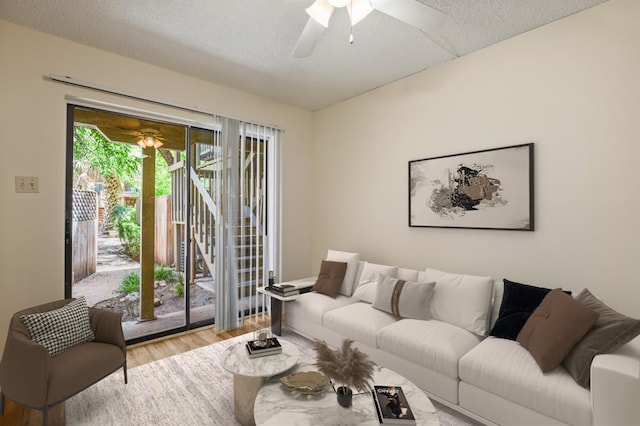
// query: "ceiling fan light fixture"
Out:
[358,10]
[149,142]
[321,11]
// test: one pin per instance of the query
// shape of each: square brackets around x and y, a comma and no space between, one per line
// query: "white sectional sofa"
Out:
[493,380]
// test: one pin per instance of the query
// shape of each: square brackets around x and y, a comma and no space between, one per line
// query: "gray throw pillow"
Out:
[62,328]
[611,330]
[403,299]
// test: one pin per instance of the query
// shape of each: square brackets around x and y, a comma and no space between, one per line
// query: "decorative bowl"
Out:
[305,382]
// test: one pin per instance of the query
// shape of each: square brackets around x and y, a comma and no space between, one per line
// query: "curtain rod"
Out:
[74,82]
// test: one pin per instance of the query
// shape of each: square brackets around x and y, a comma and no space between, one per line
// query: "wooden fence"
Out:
[85,234]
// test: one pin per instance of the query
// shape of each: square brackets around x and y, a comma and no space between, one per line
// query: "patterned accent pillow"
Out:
[62,328]
[403,299]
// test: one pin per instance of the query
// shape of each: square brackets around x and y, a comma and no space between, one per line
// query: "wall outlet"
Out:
[27,184]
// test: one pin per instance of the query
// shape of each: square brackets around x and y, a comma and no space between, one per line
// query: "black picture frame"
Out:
[487,189]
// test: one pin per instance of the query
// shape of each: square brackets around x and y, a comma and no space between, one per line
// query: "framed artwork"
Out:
[489,189]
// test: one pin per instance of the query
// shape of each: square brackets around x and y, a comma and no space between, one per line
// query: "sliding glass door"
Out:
[174,221]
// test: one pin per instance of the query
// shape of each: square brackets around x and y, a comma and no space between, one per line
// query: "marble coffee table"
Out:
[274,405]
[249,374]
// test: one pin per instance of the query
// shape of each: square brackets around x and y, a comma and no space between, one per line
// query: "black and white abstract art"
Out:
[489,189]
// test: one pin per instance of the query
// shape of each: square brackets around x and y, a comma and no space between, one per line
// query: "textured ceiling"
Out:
[247,44]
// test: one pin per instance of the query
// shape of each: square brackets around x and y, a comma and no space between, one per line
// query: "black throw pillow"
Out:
[518,303]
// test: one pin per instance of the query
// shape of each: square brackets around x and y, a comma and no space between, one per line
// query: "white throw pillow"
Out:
[462,300]
[366,291]
[359,272]
[403,299]
[408,274]
[370,271]
[352,260]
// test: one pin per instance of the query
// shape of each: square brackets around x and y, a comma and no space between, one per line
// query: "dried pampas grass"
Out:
[347,365]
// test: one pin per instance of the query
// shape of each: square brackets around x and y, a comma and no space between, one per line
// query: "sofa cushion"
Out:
[366,291]
[330,278]
[84,364]
[462,300]
[408,274]
[498,292]
[518,302]
[611,330]
[359,321]
[62,328]
[367,287]
[504,368]
[403,299]
[432,344]
[352,260]
[554,328]
[312,306]
[370,271]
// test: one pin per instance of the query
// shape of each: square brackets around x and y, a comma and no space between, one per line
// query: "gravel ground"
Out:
[101,288]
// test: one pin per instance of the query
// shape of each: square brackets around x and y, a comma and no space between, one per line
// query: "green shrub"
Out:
[130,283]
[121,212]
[129,231]
[179,288]
[162,273]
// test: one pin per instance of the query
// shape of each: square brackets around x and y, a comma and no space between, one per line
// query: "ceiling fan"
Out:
[411,12]
[148,137]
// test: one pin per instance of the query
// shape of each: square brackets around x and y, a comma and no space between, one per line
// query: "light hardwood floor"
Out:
[139,354]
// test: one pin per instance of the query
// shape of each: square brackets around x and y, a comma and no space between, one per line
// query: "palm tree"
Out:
[94,155]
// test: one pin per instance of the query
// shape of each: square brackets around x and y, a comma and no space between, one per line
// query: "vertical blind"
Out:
[247,195]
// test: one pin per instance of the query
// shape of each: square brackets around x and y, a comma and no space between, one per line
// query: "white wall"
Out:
[571,87]
[32,143]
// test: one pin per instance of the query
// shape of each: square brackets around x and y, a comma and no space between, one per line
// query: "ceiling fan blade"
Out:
[130,132]
[308,39]
[412,12]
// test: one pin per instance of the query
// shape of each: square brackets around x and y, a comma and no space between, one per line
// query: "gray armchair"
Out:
[31,377]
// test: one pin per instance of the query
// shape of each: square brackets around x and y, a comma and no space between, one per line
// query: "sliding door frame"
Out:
[273,178]
[68,228]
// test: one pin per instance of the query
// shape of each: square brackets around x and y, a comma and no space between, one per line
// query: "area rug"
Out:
[191,388]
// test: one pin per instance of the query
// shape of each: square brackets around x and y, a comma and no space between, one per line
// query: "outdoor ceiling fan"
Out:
[411,12]
[149,138]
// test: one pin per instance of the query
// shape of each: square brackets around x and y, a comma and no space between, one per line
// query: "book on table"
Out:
[285,294]
[257,348]
[284,290]
[392,406]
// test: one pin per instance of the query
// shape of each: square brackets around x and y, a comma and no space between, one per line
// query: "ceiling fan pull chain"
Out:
[351,22]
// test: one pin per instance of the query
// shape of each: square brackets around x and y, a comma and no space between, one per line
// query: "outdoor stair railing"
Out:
[249,236]
[204,213]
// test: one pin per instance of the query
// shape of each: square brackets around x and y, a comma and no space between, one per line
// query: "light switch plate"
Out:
[27,184]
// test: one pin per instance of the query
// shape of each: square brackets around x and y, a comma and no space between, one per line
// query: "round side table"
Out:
[249,374]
